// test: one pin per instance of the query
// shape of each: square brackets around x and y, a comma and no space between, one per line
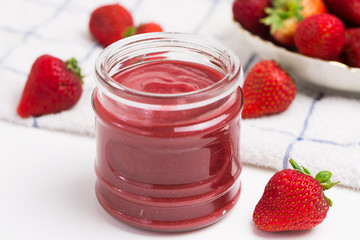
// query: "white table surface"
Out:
[47,192]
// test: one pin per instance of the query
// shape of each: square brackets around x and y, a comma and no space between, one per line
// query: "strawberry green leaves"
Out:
[323,177]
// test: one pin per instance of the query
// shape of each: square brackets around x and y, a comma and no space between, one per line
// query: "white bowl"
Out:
[327,75]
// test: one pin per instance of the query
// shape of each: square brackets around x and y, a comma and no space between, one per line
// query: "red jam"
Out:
[168,77]
[168,170]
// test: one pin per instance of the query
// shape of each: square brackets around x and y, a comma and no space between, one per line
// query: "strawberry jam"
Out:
[167,133]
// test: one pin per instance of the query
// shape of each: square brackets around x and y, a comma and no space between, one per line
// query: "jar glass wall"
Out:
[167,161]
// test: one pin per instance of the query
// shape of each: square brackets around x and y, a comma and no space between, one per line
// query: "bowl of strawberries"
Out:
[315,41]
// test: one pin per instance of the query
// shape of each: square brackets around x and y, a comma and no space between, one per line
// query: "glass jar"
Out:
[167,162]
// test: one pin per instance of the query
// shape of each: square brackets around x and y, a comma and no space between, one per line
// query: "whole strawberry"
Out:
[110,23]
[52,86]
[249,12]
[284,17]
[148,27]
[346,10]
[320,36]
[351,52]
[293,200]
[267,89]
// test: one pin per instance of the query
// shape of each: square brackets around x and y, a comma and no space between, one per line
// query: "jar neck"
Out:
[156,47]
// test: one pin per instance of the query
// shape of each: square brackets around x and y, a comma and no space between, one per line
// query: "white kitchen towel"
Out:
[319,130]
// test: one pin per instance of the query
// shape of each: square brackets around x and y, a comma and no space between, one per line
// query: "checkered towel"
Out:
[319,130]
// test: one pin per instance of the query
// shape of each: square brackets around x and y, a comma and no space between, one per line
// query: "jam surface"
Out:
[168,77]
[168,170]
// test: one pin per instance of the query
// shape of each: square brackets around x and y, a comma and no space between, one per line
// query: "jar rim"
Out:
[228,84]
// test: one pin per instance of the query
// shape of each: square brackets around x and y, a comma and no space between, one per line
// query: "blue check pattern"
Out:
[59,27]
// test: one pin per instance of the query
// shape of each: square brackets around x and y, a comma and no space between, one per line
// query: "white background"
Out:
[47,192]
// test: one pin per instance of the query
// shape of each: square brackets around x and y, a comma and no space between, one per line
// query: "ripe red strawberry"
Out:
[285,15]
[110,23]
[293,200]
[346,10]
[268,89]
[52,86]
[320,36]
[249,12]
[148,27]
[351,52]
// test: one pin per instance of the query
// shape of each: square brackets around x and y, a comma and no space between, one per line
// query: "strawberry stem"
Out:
[301,169]
[72,65]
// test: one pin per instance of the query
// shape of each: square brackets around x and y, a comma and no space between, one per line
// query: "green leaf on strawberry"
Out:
[72,65]
[284,17]
[280,11]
